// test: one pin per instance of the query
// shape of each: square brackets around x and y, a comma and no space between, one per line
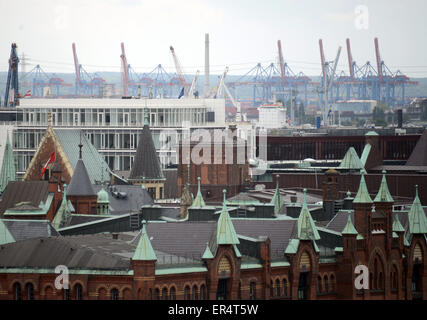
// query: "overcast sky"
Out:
[242,33]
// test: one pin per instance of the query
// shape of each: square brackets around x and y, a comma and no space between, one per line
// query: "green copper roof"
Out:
[208,253]
[225,229]
[383,194]
[306,228]
[8,170]
[395,235]
[365,153]
[292,247]
[198,200]
[144,250]
[397,226]
[277,199]
[63,214]
[103,196]
[338,249]
[371,133]
[236,251]
[351,160]
[349,227]
[416,216]
[362,195]
[359,237]
[5,235]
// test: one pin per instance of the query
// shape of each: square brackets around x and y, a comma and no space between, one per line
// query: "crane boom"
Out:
[125,74]
[193,84]
[221,83]
[331,78]
[76,64]
[281,62]
[322,60]
[377,54]
[350,59]
[178,70]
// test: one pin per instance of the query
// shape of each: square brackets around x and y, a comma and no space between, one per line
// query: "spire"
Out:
[208,253]
[144,250]
[306,227]
[362,195]
[225,229]
[5,235]
[416,216]
[397,226]
[277,199]
[80,146]
[146,115]
[349,227]
[80,184]
[198,201]
[8,170]
[63,214]
[348,194]
[383,193]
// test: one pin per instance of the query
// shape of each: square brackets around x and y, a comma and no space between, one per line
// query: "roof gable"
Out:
[351,160]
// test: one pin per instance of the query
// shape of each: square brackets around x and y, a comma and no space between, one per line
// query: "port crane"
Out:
[223,87]
[191,91]
[179,71]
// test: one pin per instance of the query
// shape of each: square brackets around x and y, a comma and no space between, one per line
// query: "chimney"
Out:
[207,86]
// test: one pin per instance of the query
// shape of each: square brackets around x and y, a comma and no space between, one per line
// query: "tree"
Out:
[378,116]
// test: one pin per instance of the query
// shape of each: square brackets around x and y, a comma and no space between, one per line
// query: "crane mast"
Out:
[281,62]
[193,85]
[76,64]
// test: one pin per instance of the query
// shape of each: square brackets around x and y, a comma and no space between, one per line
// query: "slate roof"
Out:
[28,229]
[80,184]
[171,183]
[23,191]
[418,156]
[93,160]
[146,164]
[54,251]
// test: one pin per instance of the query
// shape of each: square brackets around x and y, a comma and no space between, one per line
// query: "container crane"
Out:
[12,85]
[125,71]
[222,86]
[193,85]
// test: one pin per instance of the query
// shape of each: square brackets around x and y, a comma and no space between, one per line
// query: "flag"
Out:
[181,93]
[51,159]
[28,94]
[330,111]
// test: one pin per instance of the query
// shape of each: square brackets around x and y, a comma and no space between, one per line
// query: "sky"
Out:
[242,33]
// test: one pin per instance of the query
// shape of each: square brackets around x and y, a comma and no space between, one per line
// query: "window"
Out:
[252,291]
[78,291]
[172,295]
[187,293]
[203,292]
[277,288]
[285,287]
[332,283]
[164,294]
[66,294]
[156,294]
[114,294]
[17,291]
[194,293]
[325,284]
[319,285]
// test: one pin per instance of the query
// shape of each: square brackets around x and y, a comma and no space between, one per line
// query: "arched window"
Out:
[319,284]
[187,293]
[331,283]
[66,294]
[325,283]
[252,291]
[203,292]
[114,294]
[194,293]
[277,288]
[172,295]
[17,291]
[285,287]
[156,294]
[78,291]
[29,288]
[164,293]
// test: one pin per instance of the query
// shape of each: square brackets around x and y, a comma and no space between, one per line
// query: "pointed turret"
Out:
[362,195]
[349,227]
[277,199]
[64,213]
[144,251]
[208,253]
[416,217]
[8,170]
[397,226]
[198,200]
[225,229]
[5,235]
[383,193]
[306,227]
[80,184]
